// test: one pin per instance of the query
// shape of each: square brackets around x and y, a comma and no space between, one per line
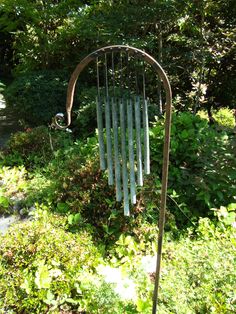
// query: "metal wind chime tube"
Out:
[138,141]
[130,140]
[123,144]
[116,150]
[145,128]
[116,138]
[124,159]
[100,123]
[131,151]
[108,129]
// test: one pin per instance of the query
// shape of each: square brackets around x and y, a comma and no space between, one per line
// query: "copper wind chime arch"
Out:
[122,110]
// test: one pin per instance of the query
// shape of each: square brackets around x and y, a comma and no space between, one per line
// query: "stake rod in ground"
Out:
[161,223]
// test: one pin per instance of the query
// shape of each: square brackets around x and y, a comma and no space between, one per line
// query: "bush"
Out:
[201,175]
[202,165]
[34,147]
[40,265]
[50,264]
[224,117]
[38,96]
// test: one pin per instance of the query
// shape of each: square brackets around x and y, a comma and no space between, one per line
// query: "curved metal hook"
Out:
[115,48]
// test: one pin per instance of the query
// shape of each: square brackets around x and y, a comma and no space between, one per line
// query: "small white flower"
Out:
[234,224]
[126,289]
[148,264]
[111,275]
[123,286]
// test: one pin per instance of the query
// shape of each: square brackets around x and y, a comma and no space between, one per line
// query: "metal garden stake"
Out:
[122,110]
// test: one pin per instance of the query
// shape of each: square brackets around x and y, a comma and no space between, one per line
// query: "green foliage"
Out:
[44,267]
[44,263]
[4,204]
[87,257]
[200,267]
[202,164]
[205,269]
[194,41]
[38,96]
[201,174]
[223,117]
[226,215]
[34,147]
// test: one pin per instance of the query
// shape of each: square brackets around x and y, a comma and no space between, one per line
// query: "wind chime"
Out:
[123,125]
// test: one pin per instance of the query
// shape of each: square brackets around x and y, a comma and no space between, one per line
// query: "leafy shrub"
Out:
[201,175]
[34,147]
[224,117]
[44,268]
[201,270]
[38,96]
[40,265]
[197,271]
[13,186]
[51,263]
[85,112]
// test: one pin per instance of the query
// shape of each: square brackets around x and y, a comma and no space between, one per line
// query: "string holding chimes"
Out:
[124,145]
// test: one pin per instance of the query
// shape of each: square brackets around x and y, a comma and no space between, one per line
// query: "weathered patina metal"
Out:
[123,116]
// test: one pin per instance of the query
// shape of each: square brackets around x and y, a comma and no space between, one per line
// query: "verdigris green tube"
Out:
[100,134]
[146,137]
[138,141]
[100,122]
[131,150]
[116,150]
[124,160]
[108,128]
[109,142]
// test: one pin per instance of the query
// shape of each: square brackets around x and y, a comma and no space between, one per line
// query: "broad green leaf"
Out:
[62,207]
[77,218]
[231,207]
[230,218]
[26,286]
[70,219]
[4,201]
[42,277]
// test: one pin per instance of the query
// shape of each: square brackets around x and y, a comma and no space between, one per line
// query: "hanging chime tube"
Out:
[108,129]
[145,127]
[138,142]
[146,137]
[116,150]
[100,123]
[131,150]
[116,136]
[124,159]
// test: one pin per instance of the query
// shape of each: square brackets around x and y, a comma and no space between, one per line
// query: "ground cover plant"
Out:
[77,253]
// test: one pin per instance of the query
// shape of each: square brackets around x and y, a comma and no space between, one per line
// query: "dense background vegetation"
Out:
[44,40]
[76,252]
[79,253]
